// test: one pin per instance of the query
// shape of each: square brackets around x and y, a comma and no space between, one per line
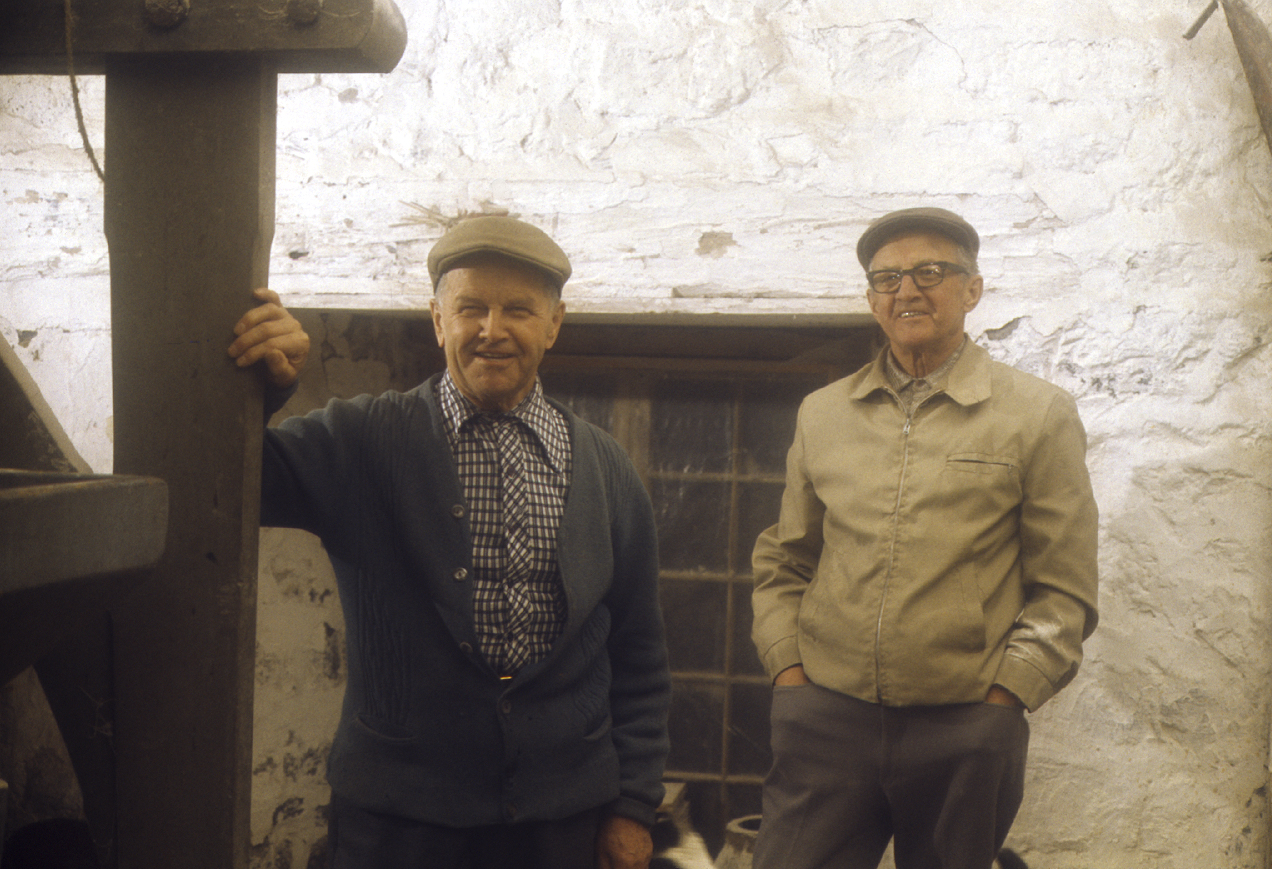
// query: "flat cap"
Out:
[927,219]
[500,235]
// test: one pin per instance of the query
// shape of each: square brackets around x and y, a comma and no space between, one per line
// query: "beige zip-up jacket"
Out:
[921,560]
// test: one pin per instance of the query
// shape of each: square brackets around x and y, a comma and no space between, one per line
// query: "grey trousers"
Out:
[944,782]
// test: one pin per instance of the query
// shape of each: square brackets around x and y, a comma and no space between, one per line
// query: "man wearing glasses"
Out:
[932,575]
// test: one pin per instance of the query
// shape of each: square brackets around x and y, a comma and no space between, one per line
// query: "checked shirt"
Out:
[515,470]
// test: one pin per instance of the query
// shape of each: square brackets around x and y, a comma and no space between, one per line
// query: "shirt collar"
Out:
[900,379]
[967,381]
[544,421]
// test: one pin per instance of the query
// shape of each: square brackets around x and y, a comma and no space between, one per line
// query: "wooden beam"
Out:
[31,438]
[1254,47]
[189,213]
[297,35]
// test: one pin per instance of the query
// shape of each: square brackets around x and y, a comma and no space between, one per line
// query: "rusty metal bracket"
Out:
[1201,20]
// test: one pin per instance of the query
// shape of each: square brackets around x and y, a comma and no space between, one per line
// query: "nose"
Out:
[908,289]
[493,327]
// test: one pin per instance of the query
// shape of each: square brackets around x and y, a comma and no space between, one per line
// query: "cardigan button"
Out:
[460,574]
[466,648]
[506,707]
[458,511]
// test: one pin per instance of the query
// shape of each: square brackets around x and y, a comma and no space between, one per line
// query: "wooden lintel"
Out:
[296,35]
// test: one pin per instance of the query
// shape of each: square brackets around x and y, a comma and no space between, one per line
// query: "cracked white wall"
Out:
[723,156]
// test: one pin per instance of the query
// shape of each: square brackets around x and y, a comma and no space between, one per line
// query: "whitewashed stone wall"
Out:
[723,156]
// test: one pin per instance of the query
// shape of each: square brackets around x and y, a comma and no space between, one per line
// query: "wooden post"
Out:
[190,105]
[189,216]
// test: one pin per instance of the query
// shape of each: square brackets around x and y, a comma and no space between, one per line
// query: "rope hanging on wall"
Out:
[79,112]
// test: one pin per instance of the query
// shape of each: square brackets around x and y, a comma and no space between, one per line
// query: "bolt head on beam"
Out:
[303,11]
[167,13]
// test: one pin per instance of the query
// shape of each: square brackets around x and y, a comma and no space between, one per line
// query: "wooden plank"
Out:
[76,674]
[345,35]
[189,210]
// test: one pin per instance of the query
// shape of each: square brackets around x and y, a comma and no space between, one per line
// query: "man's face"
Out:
[923,323]
[494,320]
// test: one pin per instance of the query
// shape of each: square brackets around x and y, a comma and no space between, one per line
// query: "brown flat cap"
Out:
[501,235]
[938,220]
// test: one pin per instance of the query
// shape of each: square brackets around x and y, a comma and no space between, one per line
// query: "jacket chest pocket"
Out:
[982,481]
[982,463]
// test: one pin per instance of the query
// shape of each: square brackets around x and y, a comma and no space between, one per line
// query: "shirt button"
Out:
[458,511]
[460,574]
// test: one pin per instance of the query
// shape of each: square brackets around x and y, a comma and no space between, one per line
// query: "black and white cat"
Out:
[676,844]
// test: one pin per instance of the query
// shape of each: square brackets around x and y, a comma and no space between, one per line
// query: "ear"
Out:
[874,300]
[975,289]
[558,314]
[436,309]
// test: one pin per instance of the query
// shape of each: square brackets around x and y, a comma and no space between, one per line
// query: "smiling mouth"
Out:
[905,315]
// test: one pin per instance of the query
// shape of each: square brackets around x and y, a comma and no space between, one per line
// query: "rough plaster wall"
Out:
[54,267]
[300,679]
[717,155]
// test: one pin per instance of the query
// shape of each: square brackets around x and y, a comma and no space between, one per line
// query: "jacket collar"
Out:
[968,382]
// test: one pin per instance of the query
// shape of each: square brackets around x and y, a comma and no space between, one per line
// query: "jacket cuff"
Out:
[1025,681]
[275,398]
[636,810]
[782,655]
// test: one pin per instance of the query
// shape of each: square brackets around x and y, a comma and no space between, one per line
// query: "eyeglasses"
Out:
[926,276]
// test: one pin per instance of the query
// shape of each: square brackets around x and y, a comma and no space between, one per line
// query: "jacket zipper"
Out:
[892,549]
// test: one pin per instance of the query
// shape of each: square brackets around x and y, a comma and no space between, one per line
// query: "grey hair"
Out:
[967,259]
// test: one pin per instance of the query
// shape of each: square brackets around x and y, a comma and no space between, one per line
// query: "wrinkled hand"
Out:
[270,334]
[622,843]
[1000,696]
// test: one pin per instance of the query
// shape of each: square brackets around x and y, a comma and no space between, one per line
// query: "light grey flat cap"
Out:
[497,234]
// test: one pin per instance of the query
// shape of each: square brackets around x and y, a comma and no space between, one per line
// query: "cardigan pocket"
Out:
[368,759]
[387,732]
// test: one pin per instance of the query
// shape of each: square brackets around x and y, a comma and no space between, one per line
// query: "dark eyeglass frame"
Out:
[921,280]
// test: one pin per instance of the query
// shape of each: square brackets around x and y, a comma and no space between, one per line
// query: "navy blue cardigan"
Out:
[427,730]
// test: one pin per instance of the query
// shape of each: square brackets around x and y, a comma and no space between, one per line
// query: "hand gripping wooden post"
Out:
[191,88]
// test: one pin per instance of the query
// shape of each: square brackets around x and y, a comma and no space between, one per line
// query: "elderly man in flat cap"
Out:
[507,693]
[932,575]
